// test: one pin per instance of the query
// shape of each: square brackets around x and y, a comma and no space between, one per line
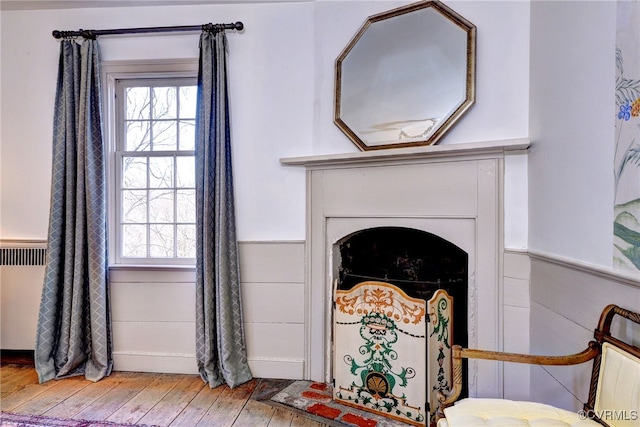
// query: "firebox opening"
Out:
[416,261]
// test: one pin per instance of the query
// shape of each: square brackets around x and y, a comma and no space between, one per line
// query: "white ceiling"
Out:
[75,4]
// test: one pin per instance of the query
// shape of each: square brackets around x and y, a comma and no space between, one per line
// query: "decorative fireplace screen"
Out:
[416,261]
[382,361]
[393,319]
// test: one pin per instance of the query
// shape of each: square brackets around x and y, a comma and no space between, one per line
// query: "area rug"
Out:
[9,419]
[317,399]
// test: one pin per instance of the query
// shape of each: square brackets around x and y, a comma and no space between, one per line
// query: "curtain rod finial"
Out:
[239,26]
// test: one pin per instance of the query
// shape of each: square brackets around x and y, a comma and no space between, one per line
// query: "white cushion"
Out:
[618,398]
[509,413]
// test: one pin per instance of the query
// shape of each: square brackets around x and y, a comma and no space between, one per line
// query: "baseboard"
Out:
[17,357]
[155,362]
[290,369]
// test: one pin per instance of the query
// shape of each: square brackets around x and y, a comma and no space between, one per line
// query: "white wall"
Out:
[271,64]
[571,189]
[572,129]
[282,77]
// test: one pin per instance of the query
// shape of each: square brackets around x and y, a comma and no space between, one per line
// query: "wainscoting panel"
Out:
[153,318]
[579,292]
[154,313]
[20,294]
[553,334]
[272,262]
[516,292]
[516,300]
[154,337]
[275,340]
[153,302]
[566,301]
[273,302]
[516,340]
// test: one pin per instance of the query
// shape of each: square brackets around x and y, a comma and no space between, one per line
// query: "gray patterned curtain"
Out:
[220,343]
[74,331]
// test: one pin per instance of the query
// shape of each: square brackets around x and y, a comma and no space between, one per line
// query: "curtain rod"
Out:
[92,34]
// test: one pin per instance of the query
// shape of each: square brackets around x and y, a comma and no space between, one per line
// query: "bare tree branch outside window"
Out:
[157,188]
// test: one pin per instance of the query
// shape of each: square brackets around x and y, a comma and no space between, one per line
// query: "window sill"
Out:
[152,273]
[152,267]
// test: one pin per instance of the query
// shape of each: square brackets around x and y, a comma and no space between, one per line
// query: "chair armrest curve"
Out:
[458,353]
[572,359]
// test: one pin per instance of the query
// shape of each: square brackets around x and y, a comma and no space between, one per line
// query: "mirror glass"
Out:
[406,77]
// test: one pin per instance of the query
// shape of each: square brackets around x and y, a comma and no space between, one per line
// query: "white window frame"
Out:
[112,73]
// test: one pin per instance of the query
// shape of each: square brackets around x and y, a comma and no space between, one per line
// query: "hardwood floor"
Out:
[146,398]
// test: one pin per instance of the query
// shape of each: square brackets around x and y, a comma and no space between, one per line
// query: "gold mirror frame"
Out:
[390,119]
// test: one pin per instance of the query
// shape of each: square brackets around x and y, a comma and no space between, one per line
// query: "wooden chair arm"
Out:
[457,353]
[571,359]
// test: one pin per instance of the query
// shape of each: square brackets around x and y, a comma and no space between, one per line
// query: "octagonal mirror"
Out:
[406,77]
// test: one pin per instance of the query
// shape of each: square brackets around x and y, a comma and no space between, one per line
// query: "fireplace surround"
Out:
[454,192]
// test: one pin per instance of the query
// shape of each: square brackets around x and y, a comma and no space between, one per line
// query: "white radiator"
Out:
[21,277]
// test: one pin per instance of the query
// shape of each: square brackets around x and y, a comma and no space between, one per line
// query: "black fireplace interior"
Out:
[416,261]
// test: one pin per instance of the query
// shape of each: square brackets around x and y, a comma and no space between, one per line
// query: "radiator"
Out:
[23,256]
[21,277]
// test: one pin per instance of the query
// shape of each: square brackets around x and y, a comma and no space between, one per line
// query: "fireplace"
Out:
[417,262]
[400,304]
[450,196]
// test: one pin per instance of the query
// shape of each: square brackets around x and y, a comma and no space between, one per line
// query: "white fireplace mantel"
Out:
[448,151]
[455,191]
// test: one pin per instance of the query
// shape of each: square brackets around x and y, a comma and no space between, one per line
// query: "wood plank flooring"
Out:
[147,398]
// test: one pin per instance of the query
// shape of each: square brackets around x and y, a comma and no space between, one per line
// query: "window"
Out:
[155,171]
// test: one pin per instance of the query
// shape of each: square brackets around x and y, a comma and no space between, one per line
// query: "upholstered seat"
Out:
[509,413]
[614,393]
